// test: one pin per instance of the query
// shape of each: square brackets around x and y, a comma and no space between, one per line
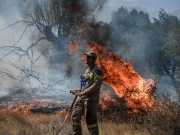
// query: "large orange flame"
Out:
[126,82]
[106,100]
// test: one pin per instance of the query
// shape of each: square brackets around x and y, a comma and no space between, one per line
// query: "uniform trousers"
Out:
[89,108]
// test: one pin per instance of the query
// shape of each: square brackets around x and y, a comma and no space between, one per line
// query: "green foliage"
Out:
[172,46]
[155,45]
[169,28]
[127,19]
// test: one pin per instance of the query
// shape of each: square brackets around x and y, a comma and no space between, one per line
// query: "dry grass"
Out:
[47,124]
[164,119]
[24,124]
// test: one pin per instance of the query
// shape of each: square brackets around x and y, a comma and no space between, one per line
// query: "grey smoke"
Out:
[13,11]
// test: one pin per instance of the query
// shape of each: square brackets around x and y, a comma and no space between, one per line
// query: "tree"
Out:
[98,32]
[129,34]
[59,22]
[121,17]
[132,32]
[167,26]
[172,46]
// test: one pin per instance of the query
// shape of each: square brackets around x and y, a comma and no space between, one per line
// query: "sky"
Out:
[150,6]
[20,8]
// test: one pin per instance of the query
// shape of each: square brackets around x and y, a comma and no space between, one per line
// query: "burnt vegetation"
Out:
[162,119]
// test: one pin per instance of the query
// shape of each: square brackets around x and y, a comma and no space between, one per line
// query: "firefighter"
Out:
[88,97]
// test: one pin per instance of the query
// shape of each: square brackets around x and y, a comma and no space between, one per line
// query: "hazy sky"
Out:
[22,7]
[150,6]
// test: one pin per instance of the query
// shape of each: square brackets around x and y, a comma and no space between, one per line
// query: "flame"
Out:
[26,106]
[63,112]
[73,47]
[106,100]
[127,83]
[14,109]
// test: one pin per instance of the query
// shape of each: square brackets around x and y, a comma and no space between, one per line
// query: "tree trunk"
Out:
[58,59]
[171,75]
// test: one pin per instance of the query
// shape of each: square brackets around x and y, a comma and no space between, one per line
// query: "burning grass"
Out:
[163,119]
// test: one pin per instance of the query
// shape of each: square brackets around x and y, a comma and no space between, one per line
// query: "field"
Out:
[47,124]
[164,119]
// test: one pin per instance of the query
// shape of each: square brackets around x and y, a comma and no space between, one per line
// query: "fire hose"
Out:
[83,83]
[67,115]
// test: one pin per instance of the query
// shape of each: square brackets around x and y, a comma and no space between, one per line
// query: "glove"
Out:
[73,91]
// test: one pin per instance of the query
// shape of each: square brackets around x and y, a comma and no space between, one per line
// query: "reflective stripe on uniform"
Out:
[99,77]
[76,123]
[92,126]
[90,74]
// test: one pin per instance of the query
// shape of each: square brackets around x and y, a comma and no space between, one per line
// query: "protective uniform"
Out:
[88,103]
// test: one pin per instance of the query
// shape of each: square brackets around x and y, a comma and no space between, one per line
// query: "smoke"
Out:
[134,44]
[95,5]
[176,13]
[11,12]
[14,69]
[135,49]
[165,87]
[130,37]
